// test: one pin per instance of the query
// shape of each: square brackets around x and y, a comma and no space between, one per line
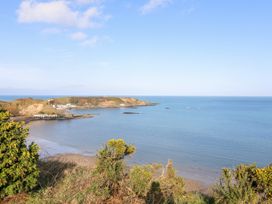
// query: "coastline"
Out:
[80,160]
[51,151]
[30,109]
[201,144]
[51,147]
[28,119]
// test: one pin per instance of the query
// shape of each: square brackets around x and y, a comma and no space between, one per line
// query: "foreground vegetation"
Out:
[18,161]
[245,184]
[111,180]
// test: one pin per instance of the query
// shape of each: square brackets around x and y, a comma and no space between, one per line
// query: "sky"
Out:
[129,47]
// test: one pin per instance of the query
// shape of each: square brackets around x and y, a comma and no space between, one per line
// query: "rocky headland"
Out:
[29,109]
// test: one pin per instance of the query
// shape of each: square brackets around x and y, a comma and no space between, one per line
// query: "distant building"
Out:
[44,116]
[64,106]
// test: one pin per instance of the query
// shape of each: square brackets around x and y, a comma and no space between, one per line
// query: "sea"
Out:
[201,135]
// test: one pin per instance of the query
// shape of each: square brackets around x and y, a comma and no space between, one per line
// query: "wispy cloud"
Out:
[86,41]
[51,31]
[78,36]
[94,40]
[154,4]
[88,1]
[90,42]
[188,11]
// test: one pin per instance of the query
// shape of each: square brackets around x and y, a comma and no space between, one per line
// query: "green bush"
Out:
[109,171]
[263,179]
[172,185]
[155,195]
[245,184]
[140,178]
[196,198]
[18,161]
[236,186]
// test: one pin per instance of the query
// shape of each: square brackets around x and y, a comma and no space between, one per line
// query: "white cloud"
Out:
[90,42]
[153,4]
[58,12]
[74,15]
[51,31]
[88,1]
[78,36]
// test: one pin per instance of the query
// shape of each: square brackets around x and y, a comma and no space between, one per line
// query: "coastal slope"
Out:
[58,108]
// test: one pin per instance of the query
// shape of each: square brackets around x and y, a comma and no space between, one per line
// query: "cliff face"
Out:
[59,106]
[29,107]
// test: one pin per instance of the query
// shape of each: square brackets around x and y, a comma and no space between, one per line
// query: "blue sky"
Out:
[143,47]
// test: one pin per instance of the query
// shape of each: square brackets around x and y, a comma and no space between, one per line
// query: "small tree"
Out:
[18,161]
[109,171]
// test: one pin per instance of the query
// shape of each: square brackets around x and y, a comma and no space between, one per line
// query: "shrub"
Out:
[71,187]
[264,181]
[245,183]
[236,186]
[172,185]
[18,161]
[109,171]
[155,195]
[139,179]
[197,198]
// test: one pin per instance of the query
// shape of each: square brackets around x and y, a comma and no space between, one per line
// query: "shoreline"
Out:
[49,149]
[28,119]
[81,160]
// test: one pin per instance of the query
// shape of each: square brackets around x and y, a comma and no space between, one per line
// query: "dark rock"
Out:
[130,113]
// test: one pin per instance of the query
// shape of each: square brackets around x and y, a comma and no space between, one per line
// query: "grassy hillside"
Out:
[99,102]
[29,106]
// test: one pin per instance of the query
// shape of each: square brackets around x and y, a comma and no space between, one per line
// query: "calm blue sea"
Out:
[200,134]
